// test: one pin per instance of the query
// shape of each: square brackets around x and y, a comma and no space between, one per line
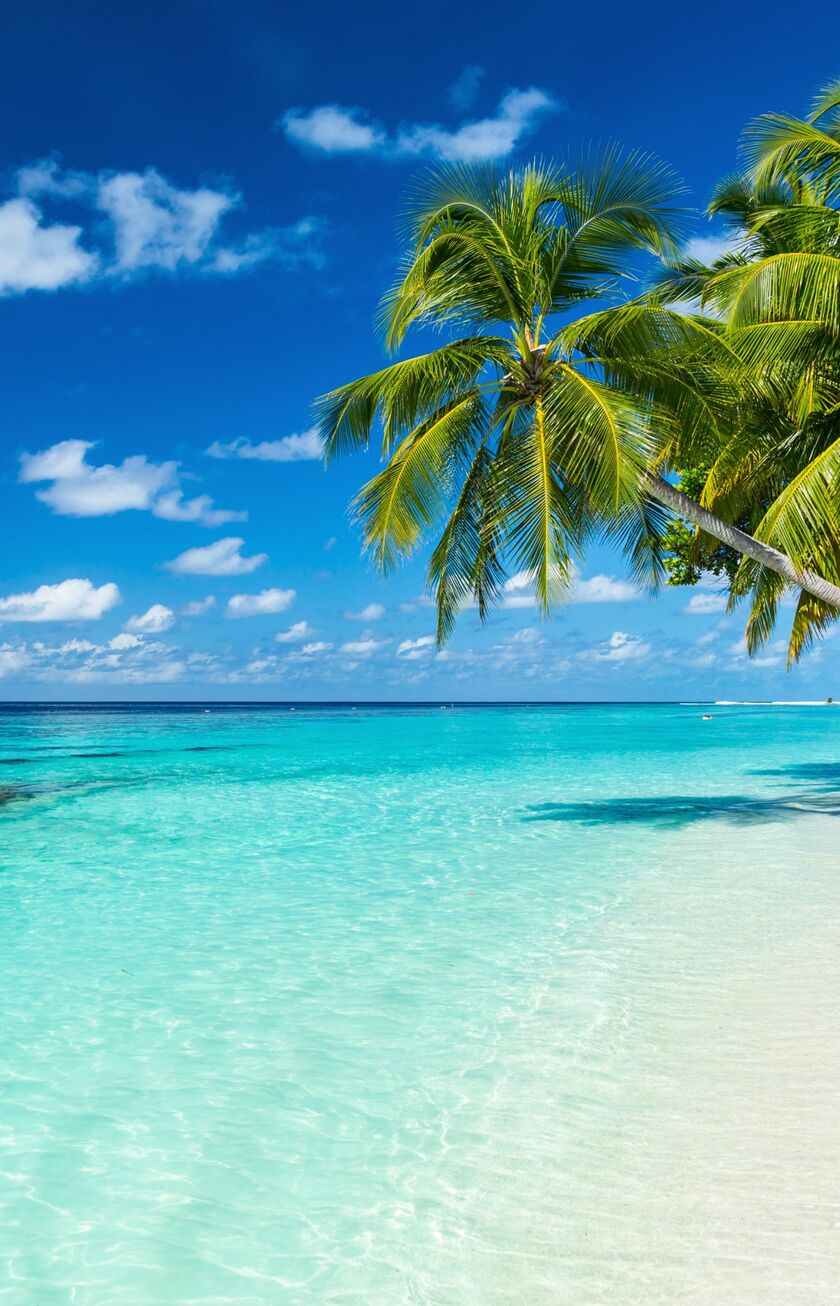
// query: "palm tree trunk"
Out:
[768,557]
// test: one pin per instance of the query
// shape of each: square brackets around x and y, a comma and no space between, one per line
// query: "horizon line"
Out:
[397,702]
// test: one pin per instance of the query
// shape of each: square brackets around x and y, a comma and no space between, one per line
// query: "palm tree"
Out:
[773,461]
[533,427]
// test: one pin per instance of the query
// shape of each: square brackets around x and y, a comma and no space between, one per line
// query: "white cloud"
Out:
[293,247]
[363,648]
[373,612]
[301,630]
[125,659]
[34,256]
[69,600]
[305,447]
[45,177]
[707,249]
[334,129]
[174,507]
[259,666]
[154,621]
[199,607]
[139,222]
[518,591]
[773,656]
[80,489]
[319,646]
[603,589]
[12,659]
[157,225]
[704,604]
[487,138]
[257,605]
[415,605]
[411,650]
[220,559]
[620,647]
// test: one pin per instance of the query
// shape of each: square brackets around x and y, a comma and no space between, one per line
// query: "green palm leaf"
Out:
[412,491]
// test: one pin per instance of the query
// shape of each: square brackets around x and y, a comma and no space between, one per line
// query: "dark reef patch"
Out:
[679,809]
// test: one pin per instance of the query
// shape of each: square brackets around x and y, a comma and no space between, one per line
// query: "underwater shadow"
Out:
[675,810]
[822,772]
[13,794]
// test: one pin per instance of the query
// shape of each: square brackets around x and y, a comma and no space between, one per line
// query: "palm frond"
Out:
[402,394]
[410,494]
[616,200]
[778,145]
[803,521]
[638,531]
[811,620]
[601,436]
[542,512]
[466,562]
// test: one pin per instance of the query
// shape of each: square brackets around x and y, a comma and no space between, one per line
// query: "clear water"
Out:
[441,1006]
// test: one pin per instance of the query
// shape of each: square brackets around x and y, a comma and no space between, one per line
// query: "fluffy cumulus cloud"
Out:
[37,255]
[296,634]
[156,224]
[371,612]
[620,647]
[12,659]
[363,648]
[773,655]
[76,646]
[335,129]
[417,604]
[154,621]
[139,222]
[258,605]
[603,589]
[705,603]
[79,488]
[305,447]
[707,249]
[412,650]
[224,558]
[69,600]
[125,659]
[518,591]
[517,115]
[199,607]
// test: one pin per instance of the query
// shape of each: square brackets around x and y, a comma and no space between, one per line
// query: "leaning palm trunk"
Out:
[740,541]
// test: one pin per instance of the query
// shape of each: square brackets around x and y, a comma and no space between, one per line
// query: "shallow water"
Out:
[404,1005]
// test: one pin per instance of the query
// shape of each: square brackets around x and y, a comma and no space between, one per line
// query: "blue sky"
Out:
[198,215]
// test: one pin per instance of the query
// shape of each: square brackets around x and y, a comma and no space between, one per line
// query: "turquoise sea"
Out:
[430,1005]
